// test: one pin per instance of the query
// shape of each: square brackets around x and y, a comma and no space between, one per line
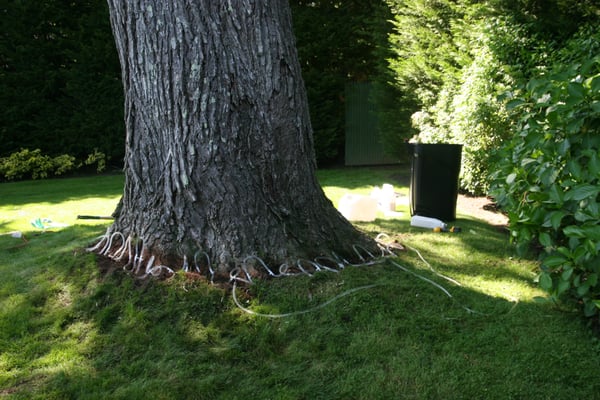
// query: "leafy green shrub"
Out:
[98,158]
[548,177]
[33,164]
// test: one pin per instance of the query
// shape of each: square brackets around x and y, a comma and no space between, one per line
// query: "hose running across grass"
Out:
[387,255]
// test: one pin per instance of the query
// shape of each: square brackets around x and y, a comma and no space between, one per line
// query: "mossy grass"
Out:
[72,328]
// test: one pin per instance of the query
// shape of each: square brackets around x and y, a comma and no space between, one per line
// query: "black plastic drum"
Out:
[435,170]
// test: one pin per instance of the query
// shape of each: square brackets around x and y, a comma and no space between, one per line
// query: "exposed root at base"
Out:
[132,256]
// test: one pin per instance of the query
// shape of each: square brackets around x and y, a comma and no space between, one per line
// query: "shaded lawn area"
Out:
[67,330]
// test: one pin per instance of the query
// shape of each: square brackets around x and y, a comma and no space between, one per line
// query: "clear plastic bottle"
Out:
[426,222]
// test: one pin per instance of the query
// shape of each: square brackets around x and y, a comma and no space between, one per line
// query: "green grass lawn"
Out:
[69,332]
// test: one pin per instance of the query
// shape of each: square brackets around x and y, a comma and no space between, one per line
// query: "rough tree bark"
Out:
[219,150]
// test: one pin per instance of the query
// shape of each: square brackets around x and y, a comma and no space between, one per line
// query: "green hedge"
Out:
[548,177]
[33,164]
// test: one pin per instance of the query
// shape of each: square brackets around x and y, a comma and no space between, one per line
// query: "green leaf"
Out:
[593,209]
[581,216]
[534,85]
[593,165]
[574,168]
[514,104]
[549,175]
[574,231]
[595,84]
[545,281]
[576,90]
[592,279]
[563,286]
[537,196]
[545,239]
[553,116]
[554,260]
[581,192]
[543,300]
[583,289]
[590,308]
[574,126]
[527,161]
[590,247]
[556,217]
[564,146]
[591,231]
[574,241]
[556,195]
[579,254]
[511,178]
[567,273]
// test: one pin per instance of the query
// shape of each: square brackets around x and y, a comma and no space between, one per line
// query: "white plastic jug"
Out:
[358,208]
[388,198]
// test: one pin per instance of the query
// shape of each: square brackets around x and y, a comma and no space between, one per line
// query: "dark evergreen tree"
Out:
[59,79]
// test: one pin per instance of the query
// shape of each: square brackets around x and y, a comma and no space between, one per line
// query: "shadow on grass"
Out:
[3,225]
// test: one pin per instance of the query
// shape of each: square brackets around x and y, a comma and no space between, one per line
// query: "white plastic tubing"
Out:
[386,256]
[117,247]
[130,249]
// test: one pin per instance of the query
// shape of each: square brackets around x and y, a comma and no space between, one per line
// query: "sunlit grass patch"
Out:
[59,200]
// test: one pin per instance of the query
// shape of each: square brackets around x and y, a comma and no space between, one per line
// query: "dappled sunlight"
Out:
[461,288]
[477,267]
[479,257]
[59,200]
[67,357]
[37,348]
[133,339]
[197,332]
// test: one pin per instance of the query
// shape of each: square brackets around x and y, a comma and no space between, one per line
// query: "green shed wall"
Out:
[363,145]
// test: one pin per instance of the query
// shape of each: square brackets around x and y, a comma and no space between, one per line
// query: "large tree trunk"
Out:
[219,150]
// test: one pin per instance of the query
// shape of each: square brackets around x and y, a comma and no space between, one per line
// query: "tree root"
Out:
[137,260]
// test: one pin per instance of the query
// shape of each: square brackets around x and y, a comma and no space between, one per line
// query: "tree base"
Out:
[130,255]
